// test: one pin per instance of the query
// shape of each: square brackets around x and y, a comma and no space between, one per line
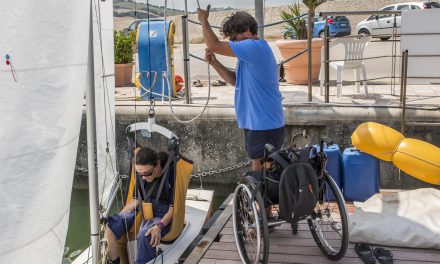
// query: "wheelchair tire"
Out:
[250,223]
[329,222]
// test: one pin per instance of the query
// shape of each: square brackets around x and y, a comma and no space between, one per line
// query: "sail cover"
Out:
[43,73]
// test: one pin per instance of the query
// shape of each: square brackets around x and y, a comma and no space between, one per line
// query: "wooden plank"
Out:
[284,247]
[212,233]
[398,253]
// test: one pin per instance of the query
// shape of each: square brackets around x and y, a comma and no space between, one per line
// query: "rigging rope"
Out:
[166,76]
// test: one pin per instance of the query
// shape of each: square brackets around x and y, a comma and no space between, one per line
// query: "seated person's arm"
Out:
[155,231]
[130,206]
[168,217]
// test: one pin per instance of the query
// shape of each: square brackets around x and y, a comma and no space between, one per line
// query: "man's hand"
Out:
[210,57]
[203,14]
[155,235]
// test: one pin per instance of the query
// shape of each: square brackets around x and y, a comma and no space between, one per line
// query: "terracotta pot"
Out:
[123,74]
[296,70]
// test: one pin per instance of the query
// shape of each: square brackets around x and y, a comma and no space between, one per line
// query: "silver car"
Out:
[381,26]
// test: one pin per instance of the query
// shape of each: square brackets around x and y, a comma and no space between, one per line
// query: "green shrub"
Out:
[132,35]
[297,28]
[123,48]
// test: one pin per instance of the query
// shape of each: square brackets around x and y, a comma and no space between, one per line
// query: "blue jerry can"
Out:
[334,167]
[360,175]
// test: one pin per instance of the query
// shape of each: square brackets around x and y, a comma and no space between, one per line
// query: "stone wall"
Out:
[216,142]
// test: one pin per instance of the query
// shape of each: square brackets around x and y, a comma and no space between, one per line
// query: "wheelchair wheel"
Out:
[329,223]
[250,223]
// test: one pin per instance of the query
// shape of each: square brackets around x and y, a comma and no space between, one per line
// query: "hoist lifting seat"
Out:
[182,168]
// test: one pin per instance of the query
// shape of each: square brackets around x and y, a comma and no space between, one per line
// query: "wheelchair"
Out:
[327,221]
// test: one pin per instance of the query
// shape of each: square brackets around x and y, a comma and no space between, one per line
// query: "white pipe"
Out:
[259,16]
[91,148]
[186,67]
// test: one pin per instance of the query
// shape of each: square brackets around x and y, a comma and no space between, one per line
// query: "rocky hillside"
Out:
[271,15]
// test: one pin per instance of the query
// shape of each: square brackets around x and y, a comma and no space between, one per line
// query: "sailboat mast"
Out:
[92,148]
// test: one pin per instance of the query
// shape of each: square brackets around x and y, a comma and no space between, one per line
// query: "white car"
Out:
[381,26]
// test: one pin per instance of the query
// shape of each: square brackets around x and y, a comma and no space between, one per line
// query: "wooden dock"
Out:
[218,246]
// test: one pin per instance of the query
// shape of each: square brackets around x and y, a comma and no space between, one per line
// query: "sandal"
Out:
[365,253]
[197,83]
[383,255]
[218,83]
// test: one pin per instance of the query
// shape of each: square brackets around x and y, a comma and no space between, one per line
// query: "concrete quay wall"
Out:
[214,141]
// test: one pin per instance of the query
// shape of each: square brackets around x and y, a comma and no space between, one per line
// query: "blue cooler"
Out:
[333,167]
[360,175]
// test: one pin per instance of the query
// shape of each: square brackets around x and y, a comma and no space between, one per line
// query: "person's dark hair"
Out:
[239,22]
[148,156]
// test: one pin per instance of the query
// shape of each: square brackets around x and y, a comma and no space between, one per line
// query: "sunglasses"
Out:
[147,174]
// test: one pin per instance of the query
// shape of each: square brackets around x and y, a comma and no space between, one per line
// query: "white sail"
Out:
[40,117]
[105,96]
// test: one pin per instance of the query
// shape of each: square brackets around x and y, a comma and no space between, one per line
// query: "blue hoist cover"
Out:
[152,45]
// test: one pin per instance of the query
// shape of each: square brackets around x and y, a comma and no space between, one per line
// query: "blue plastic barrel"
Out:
[360,175]
[334,167]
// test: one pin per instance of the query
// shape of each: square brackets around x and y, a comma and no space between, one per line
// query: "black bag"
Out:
[298,191]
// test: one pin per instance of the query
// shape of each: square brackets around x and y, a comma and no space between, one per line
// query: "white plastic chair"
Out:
[354,53]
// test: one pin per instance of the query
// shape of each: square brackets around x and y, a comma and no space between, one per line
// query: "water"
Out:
[79,223]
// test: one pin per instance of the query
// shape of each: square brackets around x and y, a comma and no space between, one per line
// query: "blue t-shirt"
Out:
[257,96]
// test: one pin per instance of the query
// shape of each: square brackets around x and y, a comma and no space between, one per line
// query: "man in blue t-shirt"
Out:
[257,96]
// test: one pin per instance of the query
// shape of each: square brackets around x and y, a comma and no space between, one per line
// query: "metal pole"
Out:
[393,60]
[310,17]
[186,68]
[259,16]
[327,61]
[403,96]
[91,149]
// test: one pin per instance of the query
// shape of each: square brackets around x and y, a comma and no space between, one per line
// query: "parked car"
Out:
[338,26]
[382,25]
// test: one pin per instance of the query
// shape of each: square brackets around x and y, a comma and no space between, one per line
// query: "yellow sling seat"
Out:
[415,157]
[182,173]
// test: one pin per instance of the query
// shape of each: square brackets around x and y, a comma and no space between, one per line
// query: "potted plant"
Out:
[295,33]
[123,59]
[132,35]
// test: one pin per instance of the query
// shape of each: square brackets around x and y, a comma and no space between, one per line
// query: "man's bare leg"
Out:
[256,165]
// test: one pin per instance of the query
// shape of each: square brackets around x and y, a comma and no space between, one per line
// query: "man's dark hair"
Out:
[148,156]
[239,22]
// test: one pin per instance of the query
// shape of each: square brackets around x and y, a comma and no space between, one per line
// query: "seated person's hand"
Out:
[155,235]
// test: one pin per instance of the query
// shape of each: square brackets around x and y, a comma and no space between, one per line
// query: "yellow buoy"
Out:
[415,157]
[419,159]
[377,140]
